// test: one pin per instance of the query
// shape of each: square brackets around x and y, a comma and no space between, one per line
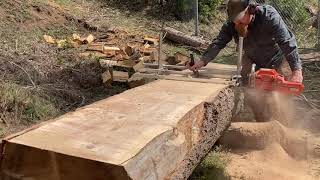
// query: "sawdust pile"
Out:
[287,147]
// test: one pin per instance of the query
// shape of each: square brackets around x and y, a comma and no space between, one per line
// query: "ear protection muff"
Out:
[252,6]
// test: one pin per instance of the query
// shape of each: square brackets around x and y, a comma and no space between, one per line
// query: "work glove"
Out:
[296,76]
[198,65]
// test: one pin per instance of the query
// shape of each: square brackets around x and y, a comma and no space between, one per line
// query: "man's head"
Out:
[236,7]
[239,13]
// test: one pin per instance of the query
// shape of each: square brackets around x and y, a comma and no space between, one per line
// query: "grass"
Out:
[213,166]
[24,103]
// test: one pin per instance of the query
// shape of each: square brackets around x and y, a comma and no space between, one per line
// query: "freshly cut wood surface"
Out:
[116,129]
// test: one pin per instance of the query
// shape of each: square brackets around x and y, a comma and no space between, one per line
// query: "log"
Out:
[182,38]
[96,47]
[153,132]
[120,76]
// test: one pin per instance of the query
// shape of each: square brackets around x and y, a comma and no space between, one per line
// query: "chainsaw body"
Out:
[270,80]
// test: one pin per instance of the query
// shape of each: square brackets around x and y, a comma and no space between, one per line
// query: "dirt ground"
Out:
[285,148]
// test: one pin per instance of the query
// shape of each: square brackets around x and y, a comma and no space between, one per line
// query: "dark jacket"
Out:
[268,40]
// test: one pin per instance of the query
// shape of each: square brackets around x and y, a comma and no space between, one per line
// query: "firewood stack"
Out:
[120,52]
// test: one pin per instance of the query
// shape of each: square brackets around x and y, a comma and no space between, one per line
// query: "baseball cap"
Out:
[235,8]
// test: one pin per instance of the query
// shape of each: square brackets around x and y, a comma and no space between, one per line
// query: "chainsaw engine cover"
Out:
[271,80]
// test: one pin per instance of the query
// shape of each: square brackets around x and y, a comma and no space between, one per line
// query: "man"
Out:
[268,43]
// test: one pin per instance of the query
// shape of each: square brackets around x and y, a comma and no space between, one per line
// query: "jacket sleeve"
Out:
[285,39]
[224,37]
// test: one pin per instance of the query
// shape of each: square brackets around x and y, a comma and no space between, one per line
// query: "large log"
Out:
[182,38]
[157,131]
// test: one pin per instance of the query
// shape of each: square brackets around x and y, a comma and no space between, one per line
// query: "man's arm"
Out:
[224,37]
[285,39]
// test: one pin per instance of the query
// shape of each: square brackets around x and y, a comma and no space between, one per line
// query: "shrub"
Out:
[184,8]
[292,11]
[208,8]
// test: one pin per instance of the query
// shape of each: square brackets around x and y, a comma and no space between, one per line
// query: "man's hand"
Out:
[297,76]
[196,66]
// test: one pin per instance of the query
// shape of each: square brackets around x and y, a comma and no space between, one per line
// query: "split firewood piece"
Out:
[140,64]
[128,63]
[118,57]
[106,63]
[89,39]
[107,77]
[151,40]
[75,41]
[76,37]
[146,45]
[147,51]
[96,47]
[181,59]
[49,39]
[109,48]
[109,54]
[120,76]
[94,55]
[110,51]
[124,55]
[130,50]
[171,60]
[85,39]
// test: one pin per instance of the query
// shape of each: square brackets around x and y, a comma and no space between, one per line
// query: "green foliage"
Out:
[292,11]
[184,9]
[208,8]
[213,166]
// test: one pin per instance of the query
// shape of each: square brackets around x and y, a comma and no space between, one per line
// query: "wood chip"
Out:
[49,39]
[76,37]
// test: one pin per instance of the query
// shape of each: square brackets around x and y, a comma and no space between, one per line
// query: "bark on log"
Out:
[182,38]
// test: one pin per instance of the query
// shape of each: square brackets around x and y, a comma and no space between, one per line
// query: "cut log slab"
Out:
[182,38]
[157,131]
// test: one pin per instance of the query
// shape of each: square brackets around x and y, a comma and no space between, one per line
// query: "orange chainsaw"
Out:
[270,80]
